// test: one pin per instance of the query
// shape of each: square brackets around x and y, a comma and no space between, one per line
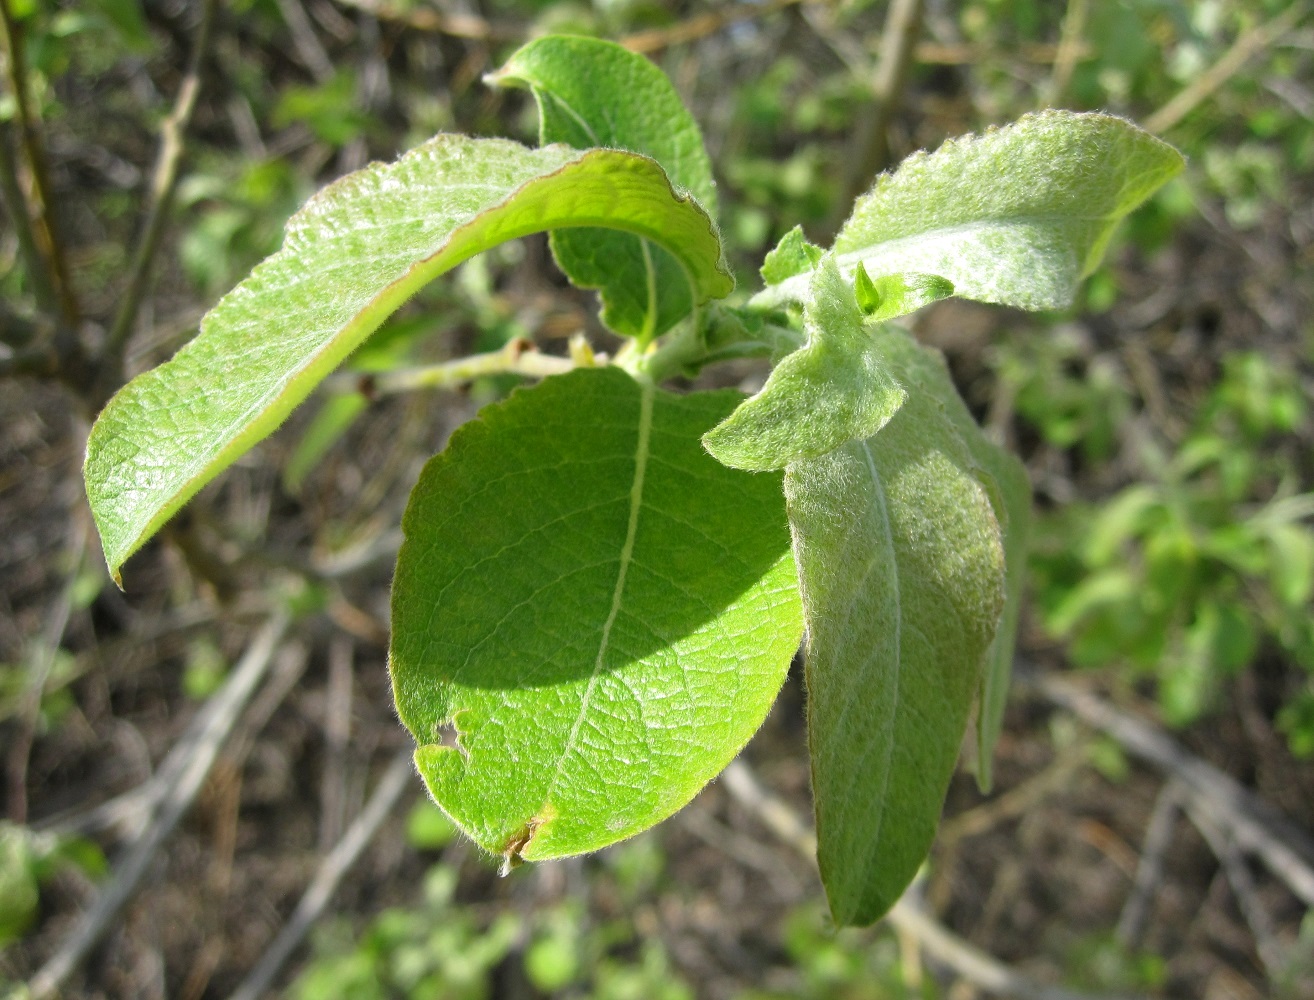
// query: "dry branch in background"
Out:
[164,179]
[869,152]
[983,971]
[702,25]
[189,773]
[1252,823]
[1242,51]
[329,875]
[40,199]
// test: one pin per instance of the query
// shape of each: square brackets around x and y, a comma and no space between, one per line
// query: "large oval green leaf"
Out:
[590,93]
[356,252]
[1017,216]
[591,616]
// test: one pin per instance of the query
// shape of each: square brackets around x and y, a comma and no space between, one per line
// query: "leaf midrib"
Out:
[566,106]
[888,751]
[646,398]
[650,269]
[794,287]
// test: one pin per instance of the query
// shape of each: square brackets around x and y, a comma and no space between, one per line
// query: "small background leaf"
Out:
[792,255]
[591,612]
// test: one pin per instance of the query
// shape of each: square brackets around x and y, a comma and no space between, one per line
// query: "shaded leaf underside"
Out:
[592,93]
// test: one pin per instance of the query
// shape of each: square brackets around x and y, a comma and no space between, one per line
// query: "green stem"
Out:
[517,358]
[682,350]
[716,334]
[27,122]
[34,261]
[164,180]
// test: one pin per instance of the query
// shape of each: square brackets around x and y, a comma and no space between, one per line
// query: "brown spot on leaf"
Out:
[511,853]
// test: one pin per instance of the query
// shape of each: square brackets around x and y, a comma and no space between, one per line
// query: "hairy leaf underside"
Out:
[1017,215]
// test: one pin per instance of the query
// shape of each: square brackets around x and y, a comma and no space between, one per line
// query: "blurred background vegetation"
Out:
[153,150]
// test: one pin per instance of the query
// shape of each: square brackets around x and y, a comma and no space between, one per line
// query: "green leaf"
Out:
[19,893]
[591,93]
[1016,216]
[836,388]
[590,615]
[792,255]
[901,567]
[1013,511]
[333,420]
[356,252]
[1005,481]
[726,332]
[893,295]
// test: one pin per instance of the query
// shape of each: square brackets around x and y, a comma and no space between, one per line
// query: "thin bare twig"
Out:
[36,267]
[337,733]
[971,963]
[372,89]
[1256,826]
[702,25]
[962,53]
[289,667]
[870,149]
[189,773]
[1243,888]
[331,872]
[1242,51]
[746,850]
[29,134]
[1149,871]
[128,814]
[1015,801]
[460,25]
[1069,50]
[847,46]
[164,179]
[456,25]
[20,750]
[305,41]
